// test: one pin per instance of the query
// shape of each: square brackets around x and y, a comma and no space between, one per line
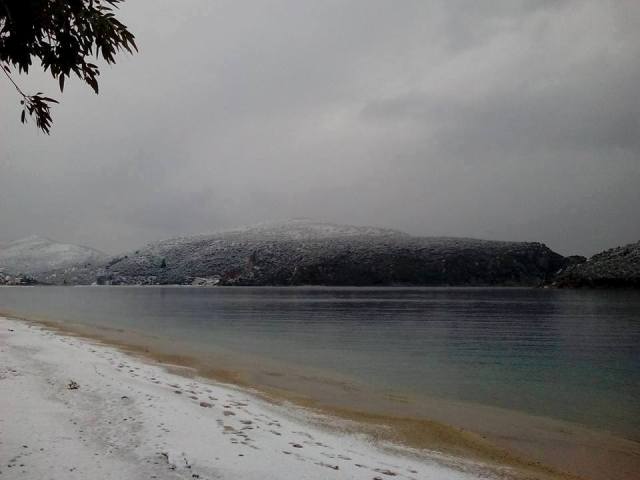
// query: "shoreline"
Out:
[481,441]
[71,408]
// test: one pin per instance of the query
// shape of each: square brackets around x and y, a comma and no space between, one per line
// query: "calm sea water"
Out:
[572,355]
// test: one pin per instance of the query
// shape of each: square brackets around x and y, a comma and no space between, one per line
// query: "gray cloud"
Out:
[507,119]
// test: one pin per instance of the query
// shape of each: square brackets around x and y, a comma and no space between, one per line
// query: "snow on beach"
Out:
[70,409]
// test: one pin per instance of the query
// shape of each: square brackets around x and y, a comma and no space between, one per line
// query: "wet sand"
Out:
[534,447]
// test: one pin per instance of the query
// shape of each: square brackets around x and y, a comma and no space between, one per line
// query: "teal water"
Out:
[571,355]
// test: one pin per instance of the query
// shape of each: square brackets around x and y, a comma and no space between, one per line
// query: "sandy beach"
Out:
[72,409]
[73,405]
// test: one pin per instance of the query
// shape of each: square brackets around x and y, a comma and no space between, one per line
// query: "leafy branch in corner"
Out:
[35,105]
[63,35]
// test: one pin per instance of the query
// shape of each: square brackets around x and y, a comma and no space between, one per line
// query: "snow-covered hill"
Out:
[616,267]
[36,254]
[303,252]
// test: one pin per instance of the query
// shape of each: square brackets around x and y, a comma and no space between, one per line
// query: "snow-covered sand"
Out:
[133,420]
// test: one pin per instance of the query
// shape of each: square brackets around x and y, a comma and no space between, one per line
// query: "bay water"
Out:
[566,354]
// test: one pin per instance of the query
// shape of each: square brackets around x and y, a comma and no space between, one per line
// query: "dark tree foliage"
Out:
[63,36]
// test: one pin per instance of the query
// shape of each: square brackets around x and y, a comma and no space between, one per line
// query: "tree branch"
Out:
[5,69]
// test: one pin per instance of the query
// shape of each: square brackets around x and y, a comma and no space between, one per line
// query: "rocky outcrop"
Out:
[617,267]
[307,253]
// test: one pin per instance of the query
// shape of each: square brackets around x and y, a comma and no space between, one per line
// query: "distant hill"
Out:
[34,254]
[616,267]
[302,252]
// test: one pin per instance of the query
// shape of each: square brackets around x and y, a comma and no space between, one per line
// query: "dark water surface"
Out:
[572,355]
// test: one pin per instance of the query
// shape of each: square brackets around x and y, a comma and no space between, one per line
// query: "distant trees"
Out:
[62,35]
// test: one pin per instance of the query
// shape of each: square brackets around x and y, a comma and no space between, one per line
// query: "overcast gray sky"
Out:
[515,120]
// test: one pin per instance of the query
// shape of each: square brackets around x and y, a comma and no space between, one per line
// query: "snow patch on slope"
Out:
[303,229]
